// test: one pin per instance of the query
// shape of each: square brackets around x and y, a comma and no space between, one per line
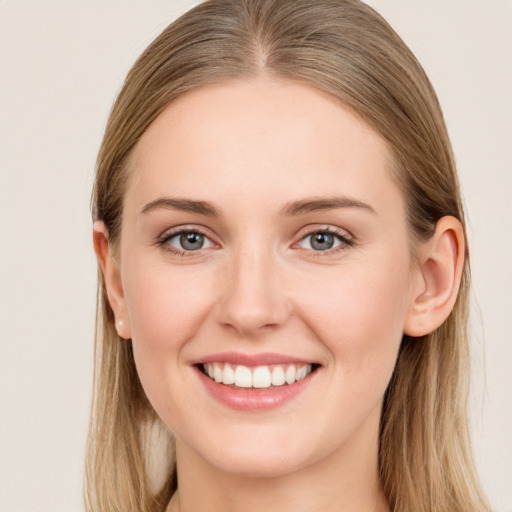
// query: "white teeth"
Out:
[217,372]
[260,377]
[243,377]
[290,374]
[278,378]
[229,375]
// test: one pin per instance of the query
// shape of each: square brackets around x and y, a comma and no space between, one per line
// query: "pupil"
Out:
[322,241]
[191,241]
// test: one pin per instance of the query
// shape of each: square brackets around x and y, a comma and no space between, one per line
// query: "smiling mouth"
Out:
[256,377]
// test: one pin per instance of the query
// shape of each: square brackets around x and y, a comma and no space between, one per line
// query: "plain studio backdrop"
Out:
[61,65]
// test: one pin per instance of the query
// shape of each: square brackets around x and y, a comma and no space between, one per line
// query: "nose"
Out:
[252,299]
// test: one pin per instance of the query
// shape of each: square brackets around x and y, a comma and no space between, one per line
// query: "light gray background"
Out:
[61,64]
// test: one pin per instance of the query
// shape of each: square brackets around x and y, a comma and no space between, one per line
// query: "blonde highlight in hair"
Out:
[344,48]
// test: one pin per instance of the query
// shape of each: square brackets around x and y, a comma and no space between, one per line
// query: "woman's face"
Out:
[264,239]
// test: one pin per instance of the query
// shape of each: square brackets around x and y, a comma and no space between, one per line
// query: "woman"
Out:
[283,300]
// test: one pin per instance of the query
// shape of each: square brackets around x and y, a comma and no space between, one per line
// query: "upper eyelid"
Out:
[346,239]
[171,232]
[162,241]
[343,233]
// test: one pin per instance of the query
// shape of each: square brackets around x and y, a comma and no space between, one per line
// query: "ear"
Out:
[437,278]
[112,278]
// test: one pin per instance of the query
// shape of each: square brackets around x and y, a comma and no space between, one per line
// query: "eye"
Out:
[186,241]
[324,240]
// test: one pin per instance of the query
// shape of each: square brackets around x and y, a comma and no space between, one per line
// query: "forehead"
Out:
[260,139]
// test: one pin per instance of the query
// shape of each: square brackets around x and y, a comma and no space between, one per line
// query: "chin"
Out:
[259,453]
[259,465]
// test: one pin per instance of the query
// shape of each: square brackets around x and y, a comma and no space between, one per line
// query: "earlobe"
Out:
[112,279]
[441,260]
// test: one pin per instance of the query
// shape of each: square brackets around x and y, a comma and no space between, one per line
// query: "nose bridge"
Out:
[253,297]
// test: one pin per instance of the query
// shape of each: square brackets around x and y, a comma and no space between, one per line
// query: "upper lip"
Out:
[251,359]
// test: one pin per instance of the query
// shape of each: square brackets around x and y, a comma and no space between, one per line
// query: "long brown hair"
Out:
[345,48]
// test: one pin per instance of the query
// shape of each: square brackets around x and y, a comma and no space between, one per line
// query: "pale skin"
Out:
[265,167]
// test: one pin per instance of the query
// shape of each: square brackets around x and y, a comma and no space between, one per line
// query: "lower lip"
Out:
[245,399]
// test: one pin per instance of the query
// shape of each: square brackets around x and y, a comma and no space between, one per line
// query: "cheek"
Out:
[165,306]
[359,315]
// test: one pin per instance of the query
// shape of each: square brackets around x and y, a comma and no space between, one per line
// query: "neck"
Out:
[329,485]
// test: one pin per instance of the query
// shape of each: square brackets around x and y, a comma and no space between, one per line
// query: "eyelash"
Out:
[341,236]
[167,236]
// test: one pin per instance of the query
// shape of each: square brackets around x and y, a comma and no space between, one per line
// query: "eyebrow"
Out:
[184,205]
[293,208]
[317,204]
